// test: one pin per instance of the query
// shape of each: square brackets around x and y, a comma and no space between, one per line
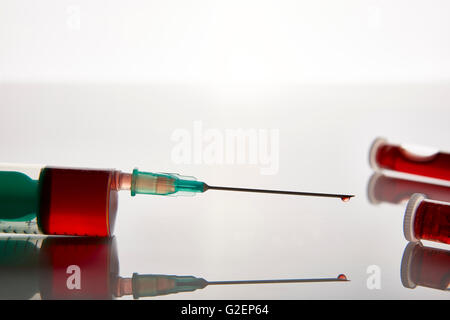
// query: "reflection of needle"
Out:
[158,284]
[344,197]
[338,279]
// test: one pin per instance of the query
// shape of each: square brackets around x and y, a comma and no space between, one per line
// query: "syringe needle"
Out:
[170,183]
[343,197]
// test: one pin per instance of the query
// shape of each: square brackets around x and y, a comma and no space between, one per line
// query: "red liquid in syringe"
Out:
[77,202]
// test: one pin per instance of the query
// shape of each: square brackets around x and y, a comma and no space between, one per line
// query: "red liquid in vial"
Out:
[396,158]
[76,202]
[432,221]
[394,190]
[430,267]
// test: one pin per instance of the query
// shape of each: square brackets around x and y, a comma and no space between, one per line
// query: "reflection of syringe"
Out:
[157,284]
[88,268]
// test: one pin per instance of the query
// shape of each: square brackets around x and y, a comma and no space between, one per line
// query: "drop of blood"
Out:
[345,199]
[342,277]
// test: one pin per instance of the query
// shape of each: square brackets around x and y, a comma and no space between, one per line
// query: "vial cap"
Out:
[410,212]
[373,152]
[371,188]
[407,260]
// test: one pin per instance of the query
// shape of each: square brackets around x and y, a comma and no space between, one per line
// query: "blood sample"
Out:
[76,201]
[427,220]
[382,188]
[425,267]
[413,160]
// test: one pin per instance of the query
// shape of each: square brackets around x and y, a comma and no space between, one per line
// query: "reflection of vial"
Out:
[423,162]
[382,188]
[426,267]
[37,199]
[427,220]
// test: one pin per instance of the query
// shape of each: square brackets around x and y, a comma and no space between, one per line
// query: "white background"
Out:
[225,41]
[106,83]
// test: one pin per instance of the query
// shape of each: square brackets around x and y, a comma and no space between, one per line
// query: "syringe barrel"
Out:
[424,162]
[427,220]
[61,201]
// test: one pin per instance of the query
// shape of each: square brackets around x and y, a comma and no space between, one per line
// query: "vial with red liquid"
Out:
[60,201]
[425,267]
[414,160]
[427,219]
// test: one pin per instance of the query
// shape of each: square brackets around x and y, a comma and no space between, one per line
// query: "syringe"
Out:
[150,285]
[74,201]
